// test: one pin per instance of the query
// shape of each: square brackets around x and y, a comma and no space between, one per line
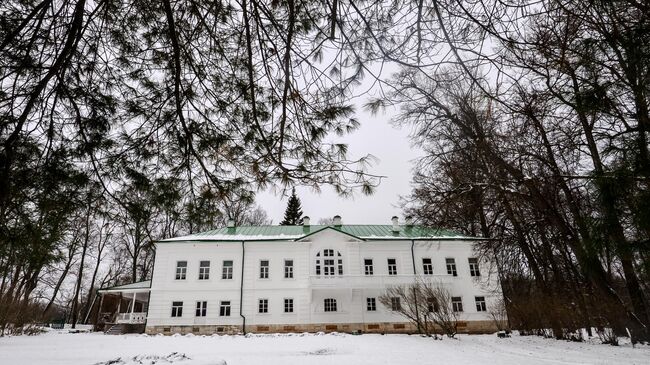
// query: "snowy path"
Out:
[92,348]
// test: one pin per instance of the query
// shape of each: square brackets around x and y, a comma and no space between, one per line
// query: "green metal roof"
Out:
[292,233]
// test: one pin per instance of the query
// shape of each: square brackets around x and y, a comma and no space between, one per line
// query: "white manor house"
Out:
[301,278]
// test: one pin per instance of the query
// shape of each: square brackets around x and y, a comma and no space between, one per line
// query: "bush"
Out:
[425,304]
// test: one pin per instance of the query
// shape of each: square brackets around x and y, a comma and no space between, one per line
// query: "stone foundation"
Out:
[133,328]
[470,327]
[194,329]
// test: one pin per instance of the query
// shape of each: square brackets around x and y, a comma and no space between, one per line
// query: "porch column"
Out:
[135,294]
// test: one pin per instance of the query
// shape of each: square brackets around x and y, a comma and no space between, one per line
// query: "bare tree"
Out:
[499,315]
[426,304]
[439,309]
[406,300]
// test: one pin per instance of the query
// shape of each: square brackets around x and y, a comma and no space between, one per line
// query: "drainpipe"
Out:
[415,296]
[413,256]
[153,269]
[241,289]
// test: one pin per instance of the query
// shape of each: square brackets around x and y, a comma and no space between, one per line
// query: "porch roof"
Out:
[140,286]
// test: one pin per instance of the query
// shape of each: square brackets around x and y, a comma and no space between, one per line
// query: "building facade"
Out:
[310,278]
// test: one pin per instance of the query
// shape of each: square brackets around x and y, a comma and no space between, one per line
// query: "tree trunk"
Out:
[100,249]
[75,300]
[55,292]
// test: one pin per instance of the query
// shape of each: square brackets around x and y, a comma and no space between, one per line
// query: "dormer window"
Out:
[329,264]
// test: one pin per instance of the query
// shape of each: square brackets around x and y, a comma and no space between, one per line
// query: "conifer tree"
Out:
[293,214]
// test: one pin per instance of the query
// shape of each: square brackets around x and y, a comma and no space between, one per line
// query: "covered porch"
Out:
[123,308]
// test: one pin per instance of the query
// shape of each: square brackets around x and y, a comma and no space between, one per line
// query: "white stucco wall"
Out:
[307,290]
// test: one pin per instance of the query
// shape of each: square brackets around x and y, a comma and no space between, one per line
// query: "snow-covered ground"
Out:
[61,347]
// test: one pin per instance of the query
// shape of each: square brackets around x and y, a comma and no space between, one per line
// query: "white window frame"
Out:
[288,269]
[474,267]
[457,304]
[177,309]
[226,271]
[201,308]
[329,264]
[204,271]
[288,305]
[480,303]
[368,268]
[181,271]
[371,304]
[224,308]
[450,262]
[264,269]
[330,305]
[392,268]
[395,304]
[263,306]
[427,268]
[432,305]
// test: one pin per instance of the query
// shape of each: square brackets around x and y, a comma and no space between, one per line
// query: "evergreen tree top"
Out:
[293,214]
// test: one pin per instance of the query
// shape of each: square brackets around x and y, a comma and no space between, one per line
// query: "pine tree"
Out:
[293,214]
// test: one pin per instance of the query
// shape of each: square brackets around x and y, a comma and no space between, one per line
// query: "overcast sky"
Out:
[395,156]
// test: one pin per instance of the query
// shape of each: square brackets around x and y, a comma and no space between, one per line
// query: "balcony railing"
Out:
[131,318]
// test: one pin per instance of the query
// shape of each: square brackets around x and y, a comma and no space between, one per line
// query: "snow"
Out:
[62,347]
[145,284]
[422,238]
[234,237]
[280,237]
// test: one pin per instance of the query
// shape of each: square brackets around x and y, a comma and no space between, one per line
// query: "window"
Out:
[264,269]
[288,305]
[432,305]
[451,267]
[263,306]
[367,263]
[330,305]
[226,271]
[332,265]
[201,308]
[480,304]
[395,304]
[473,267]
[427,266]
[456,304]
[177,309]
[288,269]
[181,270]
[204,270]
[224,309]
[371,304]
[328,262]
[392,267]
